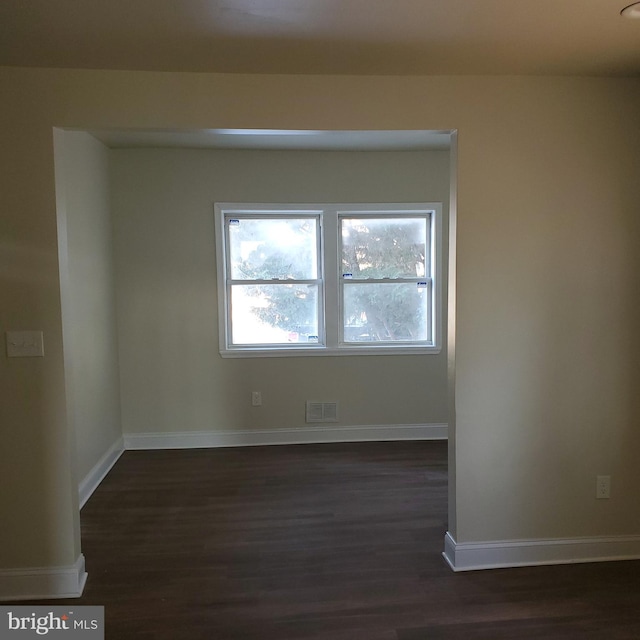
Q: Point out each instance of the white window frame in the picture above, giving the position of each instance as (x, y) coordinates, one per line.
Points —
(330, 338)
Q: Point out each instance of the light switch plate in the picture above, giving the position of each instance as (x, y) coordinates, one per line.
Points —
(25, 344)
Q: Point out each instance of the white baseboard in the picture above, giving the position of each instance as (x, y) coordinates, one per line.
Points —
(300, 435)
(521, 553)
(43, 583)
(91, 481)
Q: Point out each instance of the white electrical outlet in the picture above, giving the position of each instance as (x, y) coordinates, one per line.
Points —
(256, 398)
(603, 487)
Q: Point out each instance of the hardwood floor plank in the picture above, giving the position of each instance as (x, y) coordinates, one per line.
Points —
(318, 542)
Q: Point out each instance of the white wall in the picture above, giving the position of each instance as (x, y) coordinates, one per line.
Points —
(173, 377)
(548, 281)
(89, 313)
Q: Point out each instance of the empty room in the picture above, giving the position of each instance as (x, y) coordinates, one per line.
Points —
(320, 319)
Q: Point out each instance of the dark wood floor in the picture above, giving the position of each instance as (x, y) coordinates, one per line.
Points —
(322, 542)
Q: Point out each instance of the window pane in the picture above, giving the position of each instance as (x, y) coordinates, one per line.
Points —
(274, 314)
(375, 312)
(265, 249)
(384, 247)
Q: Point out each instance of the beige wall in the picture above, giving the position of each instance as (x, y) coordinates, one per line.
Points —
(548, 355)
(88, 294)
(173, 377)
(548, 280)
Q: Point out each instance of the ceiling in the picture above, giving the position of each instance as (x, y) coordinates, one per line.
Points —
(370, 37)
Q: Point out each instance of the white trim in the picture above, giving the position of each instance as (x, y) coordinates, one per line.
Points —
(40, 583)
(91, 481)
(472, 556)
(352, 350)
(451, 302)
(299, 435)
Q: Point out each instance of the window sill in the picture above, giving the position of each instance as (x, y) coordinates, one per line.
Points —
(321, 351)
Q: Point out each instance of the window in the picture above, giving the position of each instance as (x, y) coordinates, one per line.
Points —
(328, 279)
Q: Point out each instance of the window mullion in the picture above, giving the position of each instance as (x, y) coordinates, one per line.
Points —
(330, 258)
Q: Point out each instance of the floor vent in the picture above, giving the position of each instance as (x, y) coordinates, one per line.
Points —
(322, 411)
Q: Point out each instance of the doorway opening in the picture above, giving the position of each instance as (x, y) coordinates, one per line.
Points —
(137, 247)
